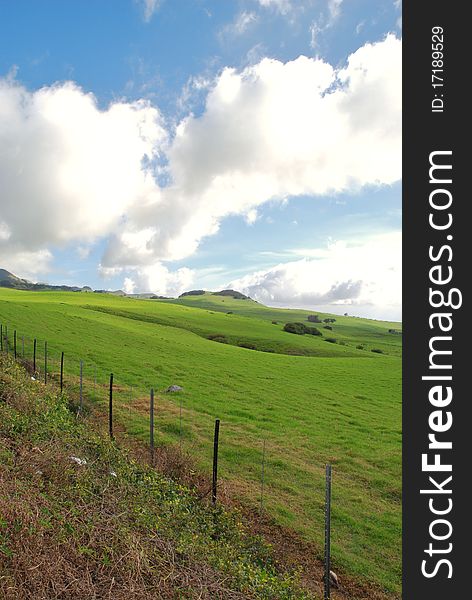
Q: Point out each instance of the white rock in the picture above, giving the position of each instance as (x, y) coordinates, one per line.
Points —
(79, 461)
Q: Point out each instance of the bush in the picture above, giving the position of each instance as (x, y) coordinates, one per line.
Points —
(331, 340)
(314, 319)
(275, 323)
(329, 320)
(360, 347)
(247, 345)
(298, 328)
(377, 350)
(312, 331)
(301, 329)
(217, 337)
(328, 327)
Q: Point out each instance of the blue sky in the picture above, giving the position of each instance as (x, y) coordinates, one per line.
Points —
(168, 191)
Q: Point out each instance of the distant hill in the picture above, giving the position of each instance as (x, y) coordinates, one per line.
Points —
(8, 280)
(231, 293)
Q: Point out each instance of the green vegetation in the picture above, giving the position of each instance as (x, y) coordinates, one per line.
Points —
(311, 401)
(301, 329)
(101, 525)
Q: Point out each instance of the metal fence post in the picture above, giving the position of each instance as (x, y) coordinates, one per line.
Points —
(14, 344)
(1, 337)
(45, 362)
(151, 426)
(262, 475)
(81, 385)
(215, 461)
(62, 370)
(110, 408)
(180, 425)
(327, 553)
(34, 355)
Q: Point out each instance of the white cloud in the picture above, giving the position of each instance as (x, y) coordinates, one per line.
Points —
(282, 6)
(26, 264)
(334, 9)
(72, 173)
(362, 278)
(149, 7)
(158, 279)
(69, 171)
(240, 25)
(325, 21)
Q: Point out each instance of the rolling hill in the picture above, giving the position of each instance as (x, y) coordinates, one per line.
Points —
(312, 401)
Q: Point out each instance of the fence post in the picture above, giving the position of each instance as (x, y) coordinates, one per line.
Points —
(1, 337)
(151, 426)
(45, 362)
(215, 461)
(81, 385)
(110, 408)
(6, 338)
(180, 425)
(262, 475)
(34, 356)
(327, 556)
(14, 344)
(62, 370)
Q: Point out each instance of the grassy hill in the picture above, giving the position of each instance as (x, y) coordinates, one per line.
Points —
(310, 400)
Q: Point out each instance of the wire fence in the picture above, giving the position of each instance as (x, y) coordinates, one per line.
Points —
(91, 385)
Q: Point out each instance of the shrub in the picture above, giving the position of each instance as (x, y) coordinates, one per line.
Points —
(247, 345)
(360, 347)
(312, 331)
(217, 337)
(230, 312)
(275, 323)
(314, 319)
(329, 320)
(328, 327)
(331, 340)
(298, 328)
(377, 350)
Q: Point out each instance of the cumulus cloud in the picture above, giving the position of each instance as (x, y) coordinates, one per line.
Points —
(69, 171)
(272, 131)
(72, 173)
(159, 280)
(346, 276)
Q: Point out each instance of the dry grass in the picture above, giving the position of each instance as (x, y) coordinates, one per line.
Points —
(110, 528)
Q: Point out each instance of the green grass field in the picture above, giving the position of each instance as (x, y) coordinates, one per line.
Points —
(310, 400)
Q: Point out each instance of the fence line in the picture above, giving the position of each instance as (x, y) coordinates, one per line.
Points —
(55, 370)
